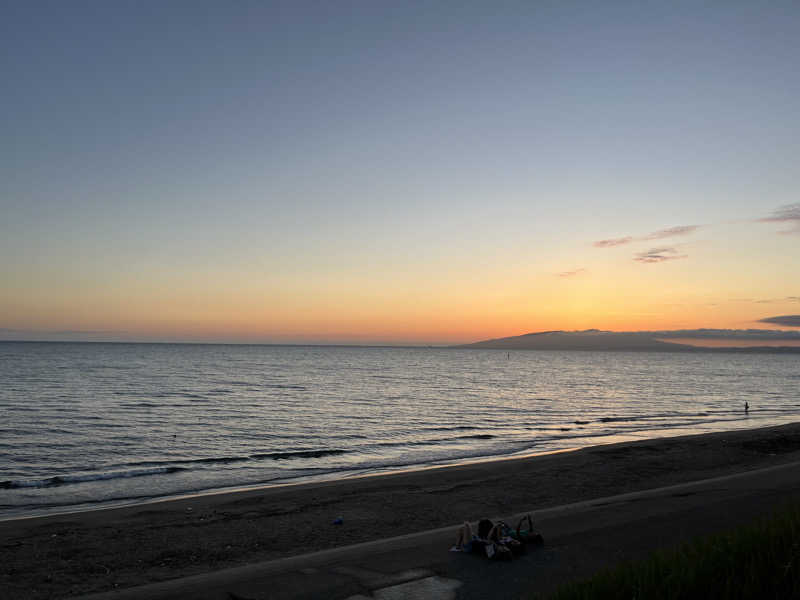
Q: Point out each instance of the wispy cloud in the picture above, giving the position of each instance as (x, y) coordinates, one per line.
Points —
(657, 255)
(613, 242)
(571, 273)
(789, 213)
(786, 320)
(656, 235)
(670, 232)
(775, 300)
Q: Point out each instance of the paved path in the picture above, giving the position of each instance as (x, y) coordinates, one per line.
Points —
(580, 538)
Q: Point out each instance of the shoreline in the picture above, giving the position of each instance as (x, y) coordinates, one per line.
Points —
(305, 481)
(68, 554)
(356, 473)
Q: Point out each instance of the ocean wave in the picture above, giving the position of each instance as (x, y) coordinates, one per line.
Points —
(283, 386)
(178, 394)
(69, 479)
(634, 418)
(432, 441)
(379, 465)
(455, 428)
(233, 382)
(219, 459)
(187, 462)
(297, 454)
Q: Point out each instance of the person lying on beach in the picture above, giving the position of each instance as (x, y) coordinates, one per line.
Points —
(492, 539)
(497, 540)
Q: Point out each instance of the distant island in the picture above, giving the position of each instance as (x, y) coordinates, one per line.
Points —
(684, 340)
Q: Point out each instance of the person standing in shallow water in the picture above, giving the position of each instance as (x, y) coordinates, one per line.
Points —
(746, 407)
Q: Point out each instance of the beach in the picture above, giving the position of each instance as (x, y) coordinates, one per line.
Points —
(65, 555)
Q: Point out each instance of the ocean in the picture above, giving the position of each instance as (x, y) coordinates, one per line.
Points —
(88, 425)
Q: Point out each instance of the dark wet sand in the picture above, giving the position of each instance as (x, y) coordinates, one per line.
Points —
(61, 556)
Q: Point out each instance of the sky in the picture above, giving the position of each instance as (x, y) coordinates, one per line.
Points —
(396, 172)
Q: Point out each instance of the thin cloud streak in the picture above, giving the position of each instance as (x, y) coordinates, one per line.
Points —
(775, 300)
(656, 235)
(572, 273)
(670, 232)
(788, 213)
(657, 255)
(613, 242)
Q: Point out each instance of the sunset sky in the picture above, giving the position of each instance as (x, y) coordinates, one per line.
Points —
(396, 172)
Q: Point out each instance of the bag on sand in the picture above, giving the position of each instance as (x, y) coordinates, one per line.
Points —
(517, 548)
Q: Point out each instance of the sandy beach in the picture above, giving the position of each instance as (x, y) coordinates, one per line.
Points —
(65, 555)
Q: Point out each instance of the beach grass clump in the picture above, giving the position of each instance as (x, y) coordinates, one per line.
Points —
(759, 560)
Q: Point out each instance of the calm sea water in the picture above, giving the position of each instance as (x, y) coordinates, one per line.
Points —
(87, 425)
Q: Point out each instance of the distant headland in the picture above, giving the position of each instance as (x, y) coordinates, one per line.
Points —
(683, 340)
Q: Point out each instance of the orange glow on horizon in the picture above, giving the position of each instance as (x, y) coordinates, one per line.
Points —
(462, 304)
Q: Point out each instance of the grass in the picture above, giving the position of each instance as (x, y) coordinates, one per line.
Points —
(760, 560)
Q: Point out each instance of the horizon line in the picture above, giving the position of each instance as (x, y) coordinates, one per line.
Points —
(753, 331)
